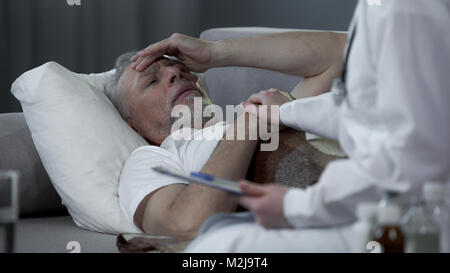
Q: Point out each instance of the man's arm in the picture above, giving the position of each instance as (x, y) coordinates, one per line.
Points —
(316, 85)
(179, 210)
(303, 53)
(316, 56)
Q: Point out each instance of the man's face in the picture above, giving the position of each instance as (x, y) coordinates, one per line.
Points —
(152, 93)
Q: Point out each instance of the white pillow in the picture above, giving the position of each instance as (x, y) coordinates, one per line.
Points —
(82, 142)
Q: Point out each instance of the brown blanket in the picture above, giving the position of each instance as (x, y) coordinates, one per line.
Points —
(296, 163)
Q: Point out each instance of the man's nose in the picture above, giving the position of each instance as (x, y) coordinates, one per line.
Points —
(171, 74)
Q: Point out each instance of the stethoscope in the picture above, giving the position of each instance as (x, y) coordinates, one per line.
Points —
(339, 88)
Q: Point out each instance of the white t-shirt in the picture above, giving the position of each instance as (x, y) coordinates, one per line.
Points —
(184, 150)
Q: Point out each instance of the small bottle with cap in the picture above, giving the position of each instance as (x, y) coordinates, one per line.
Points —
(434, 196)
(363, 229)
(388, 232)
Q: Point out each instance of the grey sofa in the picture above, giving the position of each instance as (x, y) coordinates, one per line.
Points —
(45, 225)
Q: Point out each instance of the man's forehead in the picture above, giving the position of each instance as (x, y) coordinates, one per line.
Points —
(166, 60)
(131, 76)
(156, 64)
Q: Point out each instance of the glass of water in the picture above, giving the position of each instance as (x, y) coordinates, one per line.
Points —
(9, 208)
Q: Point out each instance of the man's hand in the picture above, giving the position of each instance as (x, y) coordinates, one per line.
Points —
(266, 203)
(196, 54)
(270, 98)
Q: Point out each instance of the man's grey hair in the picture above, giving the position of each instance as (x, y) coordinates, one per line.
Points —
(113, 92)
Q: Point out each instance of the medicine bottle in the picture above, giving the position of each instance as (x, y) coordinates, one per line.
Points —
(388, 232)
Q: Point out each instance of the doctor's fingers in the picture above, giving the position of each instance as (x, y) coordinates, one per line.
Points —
(261, 208)
(270, 96)
(254, 195)
(256, 98)
(256, 204)
(252, 188)
(262, 96)
(264, 212)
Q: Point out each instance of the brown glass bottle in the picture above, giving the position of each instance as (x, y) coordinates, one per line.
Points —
(388, 232)
(391, 239)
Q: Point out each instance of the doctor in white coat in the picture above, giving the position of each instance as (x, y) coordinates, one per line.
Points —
(389, 110)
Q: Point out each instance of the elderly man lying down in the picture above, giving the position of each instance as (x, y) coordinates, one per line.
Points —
(162, 205)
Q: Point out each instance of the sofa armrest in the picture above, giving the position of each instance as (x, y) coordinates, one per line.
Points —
(17, 152)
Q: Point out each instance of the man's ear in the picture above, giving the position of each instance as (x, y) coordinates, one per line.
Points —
(136, 128)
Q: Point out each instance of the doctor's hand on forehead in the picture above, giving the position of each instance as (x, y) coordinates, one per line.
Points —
(197, 55)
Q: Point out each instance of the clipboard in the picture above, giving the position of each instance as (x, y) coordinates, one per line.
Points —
(203, 179)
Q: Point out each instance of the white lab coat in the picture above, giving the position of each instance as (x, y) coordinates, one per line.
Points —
(394, 125)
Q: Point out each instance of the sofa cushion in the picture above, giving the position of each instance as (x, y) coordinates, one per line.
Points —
(17, 152)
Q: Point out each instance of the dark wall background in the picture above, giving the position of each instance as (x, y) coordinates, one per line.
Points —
(87, 38)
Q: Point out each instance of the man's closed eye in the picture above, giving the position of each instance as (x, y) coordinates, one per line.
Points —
(151, 82)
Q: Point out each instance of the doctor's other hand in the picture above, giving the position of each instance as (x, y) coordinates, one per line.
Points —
(269, 98)
(196, 54)
(266, 203)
